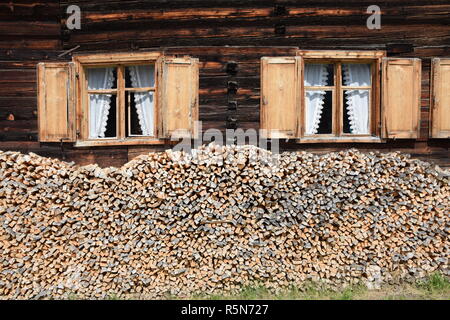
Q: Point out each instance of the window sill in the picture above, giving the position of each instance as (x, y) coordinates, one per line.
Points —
(127, 142)
(340, 140)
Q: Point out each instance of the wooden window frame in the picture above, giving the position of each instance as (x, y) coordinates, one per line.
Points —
(337, 58)
(120, 61)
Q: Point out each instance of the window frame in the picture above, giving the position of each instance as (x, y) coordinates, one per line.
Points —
(337, 58)
(120, 61)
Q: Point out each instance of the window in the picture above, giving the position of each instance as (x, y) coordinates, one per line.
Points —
(118, 99)
(336, 96)
(121, 92)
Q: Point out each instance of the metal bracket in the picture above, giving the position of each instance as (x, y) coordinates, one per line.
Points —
(68, 51)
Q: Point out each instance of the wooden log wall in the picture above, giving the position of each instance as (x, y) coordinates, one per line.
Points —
(229, 37)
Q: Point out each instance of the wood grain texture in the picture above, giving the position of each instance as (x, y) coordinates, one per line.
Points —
(56, 104)
(280, 101)
(440, 119)
(401, 97)
(179, 105)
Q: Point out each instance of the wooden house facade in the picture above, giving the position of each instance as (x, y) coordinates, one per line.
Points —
(229, 64)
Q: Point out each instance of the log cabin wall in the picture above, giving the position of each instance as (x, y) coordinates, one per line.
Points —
(229, 37)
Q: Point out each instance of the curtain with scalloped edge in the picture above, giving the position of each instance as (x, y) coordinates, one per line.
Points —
(99, 104)
(315, 75)
(357, 101)
(143, 76)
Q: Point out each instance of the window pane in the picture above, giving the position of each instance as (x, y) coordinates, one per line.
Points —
(319, 74)
(102, 116)
(319, 112)
(102, 78)
(140, 76)
(356, 111)
(140, 113)
(356, 75)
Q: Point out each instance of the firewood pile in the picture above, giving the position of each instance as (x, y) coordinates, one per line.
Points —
(216, 220)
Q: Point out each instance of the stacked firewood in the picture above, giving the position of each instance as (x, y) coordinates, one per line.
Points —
(216, 220)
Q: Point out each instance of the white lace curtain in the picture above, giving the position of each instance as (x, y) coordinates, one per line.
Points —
(143, 76)
(315, 75)
(357, 101)
(99, 104)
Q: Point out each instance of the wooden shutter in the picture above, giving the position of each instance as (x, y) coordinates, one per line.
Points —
(401, 98)
(56, 103)
(280, 97)
(179, 97)
(440, 103)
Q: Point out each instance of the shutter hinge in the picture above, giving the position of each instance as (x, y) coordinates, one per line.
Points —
(434, 101)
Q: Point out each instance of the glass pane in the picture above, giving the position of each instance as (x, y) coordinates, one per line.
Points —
(140, 113)
(140, 76)
(319, 74)
(356, 111)
(319, 112)
(102, 78)
(102, 116)
(356, 75)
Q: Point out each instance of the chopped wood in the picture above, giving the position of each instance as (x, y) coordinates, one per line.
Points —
(216, 220)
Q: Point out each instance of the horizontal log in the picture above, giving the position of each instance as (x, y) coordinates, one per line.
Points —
(18, 125)
(30, 28)
(20, 75)
(14, 89)
(21, 43)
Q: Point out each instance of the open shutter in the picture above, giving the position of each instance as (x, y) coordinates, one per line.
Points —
(280, 97)
(440, 103)
(401, 98)
(179, 97)
(56, 103)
